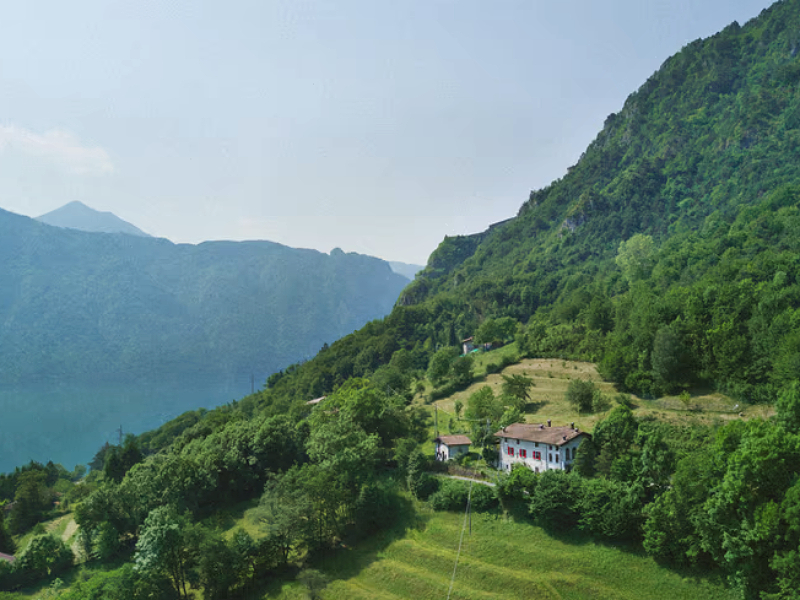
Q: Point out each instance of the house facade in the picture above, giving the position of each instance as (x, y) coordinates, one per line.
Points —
(540, 447)
(451, 446)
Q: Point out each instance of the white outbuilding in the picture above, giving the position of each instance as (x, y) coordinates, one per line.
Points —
(451, 446)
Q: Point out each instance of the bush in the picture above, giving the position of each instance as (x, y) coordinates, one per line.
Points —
(518, 485)
(553, 503)
(45, 556)
(453, 495)
(580, 395)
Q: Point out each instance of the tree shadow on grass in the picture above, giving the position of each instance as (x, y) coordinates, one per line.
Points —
(352, 555)
(356, 553)
(707, 572)
(534, 407)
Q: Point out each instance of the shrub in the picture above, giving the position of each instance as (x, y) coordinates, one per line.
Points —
(580, 395)
(453, 495)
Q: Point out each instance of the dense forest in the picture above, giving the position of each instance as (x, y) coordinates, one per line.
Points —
(78, 306)
(668, 255)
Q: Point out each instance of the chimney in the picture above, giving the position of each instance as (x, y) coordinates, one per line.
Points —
(564, 438)
(549, 423)
(541, 426)
(572, 425)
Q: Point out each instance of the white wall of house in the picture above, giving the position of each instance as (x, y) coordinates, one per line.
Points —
(445, 452)
(550, 456)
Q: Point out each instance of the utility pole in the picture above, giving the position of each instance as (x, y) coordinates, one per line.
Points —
(436, 420)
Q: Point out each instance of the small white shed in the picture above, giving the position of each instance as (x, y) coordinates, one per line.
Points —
(451, 446)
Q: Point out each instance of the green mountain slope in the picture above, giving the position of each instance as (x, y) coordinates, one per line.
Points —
(670, 254)
(92, 306)
(702, 162)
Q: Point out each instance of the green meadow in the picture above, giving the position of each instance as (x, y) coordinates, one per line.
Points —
(502, 558)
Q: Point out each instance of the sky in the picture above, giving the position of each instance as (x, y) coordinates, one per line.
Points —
(376, 126)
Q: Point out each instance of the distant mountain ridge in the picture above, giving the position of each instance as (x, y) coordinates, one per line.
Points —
(405, 269)
(118, 307)
(76, 215)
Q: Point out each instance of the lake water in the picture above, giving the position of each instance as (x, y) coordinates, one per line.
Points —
(69, 423)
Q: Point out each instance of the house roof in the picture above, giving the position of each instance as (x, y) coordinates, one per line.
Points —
(454, 440)
(535, 432)
(7, 557)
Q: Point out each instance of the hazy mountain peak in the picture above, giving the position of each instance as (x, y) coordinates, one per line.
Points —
(405, 269)
(76, 215)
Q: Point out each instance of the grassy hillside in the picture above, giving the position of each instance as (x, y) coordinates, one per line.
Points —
(501, 559)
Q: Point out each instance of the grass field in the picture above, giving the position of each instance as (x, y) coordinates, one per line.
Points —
(501, 559)
(551, 377)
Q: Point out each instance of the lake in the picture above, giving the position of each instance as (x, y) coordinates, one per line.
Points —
(68, 423)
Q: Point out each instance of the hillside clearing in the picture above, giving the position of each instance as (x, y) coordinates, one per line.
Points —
(551, 378)
(501, 559)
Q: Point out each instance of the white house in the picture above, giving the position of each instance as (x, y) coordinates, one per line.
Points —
(539, 447)
(451, 446)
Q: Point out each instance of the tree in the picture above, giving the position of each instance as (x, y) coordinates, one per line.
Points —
(788, 407)
(458, 406)
(167, 545)
(553, 501)
(510, 416)
(6, 541)
(440, 365)
(580, 395)
(31, 500)
(517, 486)
(462, 371)
(518, 387)
(584, 463)
(618, 429)
(419, 482)
(45, 556)
(609, 508)
(314, 582)
(496, 330)
(667, 359)
(635, 257)
(286, 512)
(220, 567)
(483, 407)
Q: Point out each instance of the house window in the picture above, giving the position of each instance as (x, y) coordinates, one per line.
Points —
(550, 457)
(517, 442)
(535, 444)
(523, 453)
(510, 451)
(537, 455)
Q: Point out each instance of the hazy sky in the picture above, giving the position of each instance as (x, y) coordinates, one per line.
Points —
(376, 126)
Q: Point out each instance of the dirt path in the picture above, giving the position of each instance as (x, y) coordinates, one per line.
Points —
(70, 530)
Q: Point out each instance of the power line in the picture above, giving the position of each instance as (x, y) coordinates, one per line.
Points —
(463, 529)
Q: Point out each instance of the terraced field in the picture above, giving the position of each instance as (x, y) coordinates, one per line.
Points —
(501, 559)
